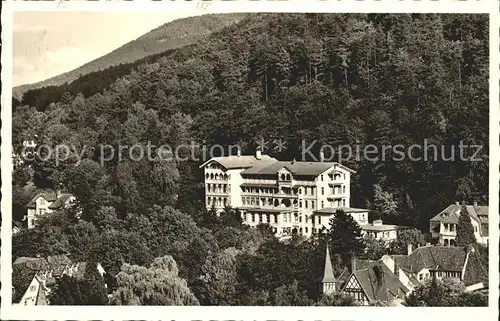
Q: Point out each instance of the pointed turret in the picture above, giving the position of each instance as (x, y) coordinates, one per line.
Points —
(329, 285)
(328, 272)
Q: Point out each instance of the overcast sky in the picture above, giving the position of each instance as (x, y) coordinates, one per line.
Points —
(46, 44)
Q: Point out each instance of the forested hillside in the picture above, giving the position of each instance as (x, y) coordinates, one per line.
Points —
(175, 34)
(341, 79)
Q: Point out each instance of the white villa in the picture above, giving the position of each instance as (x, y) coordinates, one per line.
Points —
(443, 226)
(47, 202)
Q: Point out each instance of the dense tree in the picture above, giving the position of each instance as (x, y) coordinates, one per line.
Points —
(375, 248)
(383, 206)
(345, 235)
(437, 293)
(335, 300)
(465, 230)
(159, 284)
(217, 282)
(86, 289)
(405, 237)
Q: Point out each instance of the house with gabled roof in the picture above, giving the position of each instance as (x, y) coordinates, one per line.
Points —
(366, 281)
(32, 278)
(45, 202)
(432, 261)
(443, 226)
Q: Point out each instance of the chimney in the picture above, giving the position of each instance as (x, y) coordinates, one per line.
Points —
(410, 248)
(457, 203)
(353, 263)
(475, 203)
(428, 244)
(58, 190)
(321, 155)
(258, 154)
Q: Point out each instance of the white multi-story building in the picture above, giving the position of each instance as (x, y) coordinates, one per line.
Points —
(292, 197)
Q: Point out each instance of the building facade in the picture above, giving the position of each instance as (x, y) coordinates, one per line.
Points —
(292, 197)
(380, 231)
(443, 227)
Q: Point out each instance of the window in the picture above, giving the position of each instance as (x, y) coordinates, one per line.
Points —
(343, 189)
(343, 202)
(33, 288)
(253, 218)
(321, 177)
(475, 229)
(307, 230)
(300, 204)
(319, 219)
(322, 204)
(312, 204)
(300, 190)
(42, 201)
(322, 191)
(306, 204)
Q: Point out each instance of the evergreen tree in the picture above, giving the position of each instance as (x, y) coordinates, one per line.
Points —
(345, 235)
(465, 230)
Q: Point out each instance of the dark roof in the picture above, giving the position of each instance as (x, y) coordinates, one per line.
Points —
(378, 282)
(60, 201)
(333, 210)
(48, 195)
(383, 227)
(448, 215)
(21, 279)
(41, 298)
(34, 263)
(360, 265)
(474, 271)
(451, 213)
(444, 258)
(16, 224)
(24, 270)
(230, 162)
(296, 168)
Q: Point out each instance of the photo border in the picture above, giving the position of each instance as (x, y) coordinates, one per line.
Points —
(9, 311)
